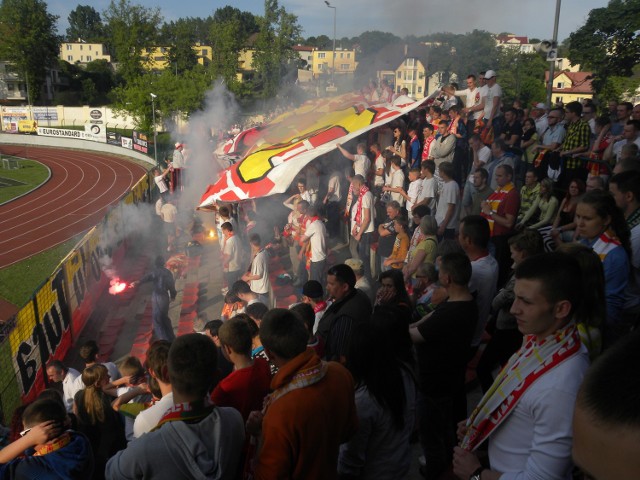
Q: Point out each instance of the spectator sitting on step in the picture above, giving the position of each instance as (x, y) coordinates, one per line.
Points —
(90, 353)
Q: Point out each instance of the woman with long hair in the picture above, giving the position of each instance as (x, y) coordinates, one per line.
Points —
(96, 419)
(393, 293)
(564, 223)
(529, 141)
(380, 361)
(545, 203)
(601, 225)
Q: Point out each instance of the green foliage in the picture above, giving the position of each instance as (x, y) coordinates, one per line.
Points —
(30, 175)
(279, 32)
(130, 28)
(615, 88)
(247, 21)
(182, 94)
(29, 40)
(521, 76)
(182, 56)
(89, 85)
(200, 29)
(371, 42)
(609, 42)
(321, 42)
(85, 23)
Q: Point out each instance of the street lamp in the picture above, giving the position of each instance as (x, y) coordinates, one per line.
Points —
(552, 63)
(333, 67)
(155, 131)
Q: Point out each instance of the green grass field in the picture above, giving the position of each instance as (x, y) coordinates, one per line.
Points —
(19, 281)
(27, 177)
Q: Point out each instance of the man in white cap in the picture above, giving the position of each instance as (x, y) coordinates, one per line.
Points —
(539, 114)
(178, 164)
(492, 113)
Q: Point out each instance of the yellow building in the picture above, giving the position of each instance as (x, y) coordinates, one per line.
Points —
(411, 74)
(81, 52)
(323, 64)
(157, 58)
(245, 64)
(570, 86)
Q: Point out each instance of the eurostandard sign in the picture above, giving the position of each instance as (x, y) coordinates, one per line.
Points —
(93, 133)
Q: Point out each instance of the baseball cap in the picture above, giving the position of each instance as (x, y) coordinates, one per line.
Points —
(541, 106)
(312, 289)
(489, 74)
(178, 144)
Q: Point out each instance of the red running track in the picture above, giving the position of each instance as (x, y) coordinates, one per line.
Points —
(82, 187)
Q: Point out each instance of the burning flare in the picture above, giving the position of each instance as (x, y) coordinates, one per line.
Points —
(117, 286)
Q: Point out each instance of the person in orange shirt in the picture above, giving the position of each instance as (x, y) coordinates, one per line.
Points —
(400, 246)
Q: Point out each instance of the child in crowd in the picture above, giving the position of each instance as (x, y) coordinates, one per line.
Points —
(413, 192)
(305, 312)
(400, 246)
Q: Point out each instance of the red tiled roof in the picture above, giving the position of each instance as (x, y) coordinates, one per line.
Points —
(580, 82)
(507, 38)
(302, 48)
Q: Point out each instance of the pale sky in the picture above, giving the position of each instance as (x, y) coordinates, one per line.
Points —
(533, 18)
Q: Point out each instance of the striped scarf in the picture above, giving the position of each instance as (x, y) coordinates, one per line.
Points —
(527, 365)
(495, 199)
(605, 244)
(358, 217)
(427, 147)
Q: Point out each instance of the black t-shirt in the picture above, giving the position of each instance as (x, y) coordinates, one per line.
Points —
(442, 357)
(385, 244)
(515, 129)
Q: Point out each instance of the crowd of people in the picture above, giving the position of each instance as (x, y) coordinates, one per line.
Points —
(472, 239)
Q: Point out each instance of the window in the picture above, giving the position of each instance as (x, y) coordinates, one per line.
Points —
(88, 58)
(80, 47)
(205, 52)
(69, 47)
(348, 55)
(344, 66)
(558, 99)
(410, 62)
(163, 50)
(321, 66)
(159, 58)
(322, 55)
(399, 75)
(82, 58)
(560, 85)
(70, 58)
(409, 76)
(419, 89)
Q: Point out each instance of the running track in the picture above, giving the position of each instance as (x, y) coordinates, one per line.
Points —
(82, 187)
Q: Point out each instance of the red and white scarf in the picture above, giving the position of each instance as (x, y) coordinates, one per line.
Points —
(358, 216)
(427, 147)
(527, 365)
(495, 199)
(605, 244)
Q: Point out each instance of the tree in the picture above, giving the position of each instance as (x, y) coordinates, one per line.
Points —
(609, 42)
(521, 76)
(371, 42)
(28, 40)
(279, 32)
(86, 24)
(181, 56)
(321, 42)
(130, 28)
(247, 21)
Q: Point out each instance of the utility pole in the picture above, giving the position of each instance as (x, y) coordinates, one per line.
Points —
(155, 130)
(333, 63)
(554, 45)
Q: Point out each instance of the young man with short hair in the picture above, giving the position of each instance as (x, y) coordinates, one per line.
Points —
(313, 294)
(448, 208)
(70, 378)
(310, 398)
(362, 220)
(527, 413)
(258, 275)
(193, 439)
(225, 367)
(361, 163)
(231, 255)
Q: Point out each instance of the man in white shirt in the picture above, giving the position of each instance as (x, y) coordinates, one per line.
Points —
(362, 220)
(528, 413)
(492, 114)
(630, 134)
(539, 114)
(473, 98)
(258, 276)
(159, 180)
(178, 165)
(148, 419)
(378, 169)
(481, 155)
(169, 212)
(396, 182)
(231, 255)
(70, 378)
(305, 194)
(448, 208)
(427, 195)
(361, 163)
(315, 235)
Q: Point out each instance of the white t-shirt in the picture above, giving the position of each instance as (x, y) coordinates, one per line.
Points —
(413, 192)
(169, 213)
(162, 185)
(397, 180)
(361, 165)
(617, 147)
(472, 98)
(334, 186)
(367, 203)
(232, 248)
(450, 195)
(492, 92)
(71, 384)
(317, 233)
(379, 179)
(260, 266)
(483, 284)
(309, 196)
(148, 419)
(428, 191)
(484, 155)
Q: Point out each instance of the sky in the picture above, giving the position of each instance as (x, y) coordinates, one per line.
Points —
(533, 18)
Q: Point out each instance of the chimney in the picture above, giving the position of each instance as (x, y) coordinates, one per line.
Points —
(406, 49)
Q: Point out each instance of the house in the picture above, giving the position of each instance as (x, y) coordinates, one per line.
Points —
(157, 58)
(570, 86)
(323, 63)
(403, 66)
(515, 42)
(306, 56)
(13, 90)
(82, 52)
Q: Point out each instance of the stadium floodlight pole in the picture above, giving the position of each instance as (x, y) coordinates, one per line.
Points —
(155, 130)
(333, 66)
(552, 64)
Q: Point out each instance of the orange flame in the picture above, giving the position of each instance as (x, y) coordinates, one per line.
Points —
(117, 286)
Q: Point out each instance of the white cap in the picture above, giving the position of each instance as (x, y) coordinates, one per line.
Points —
(489, 74)
(541, 106)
